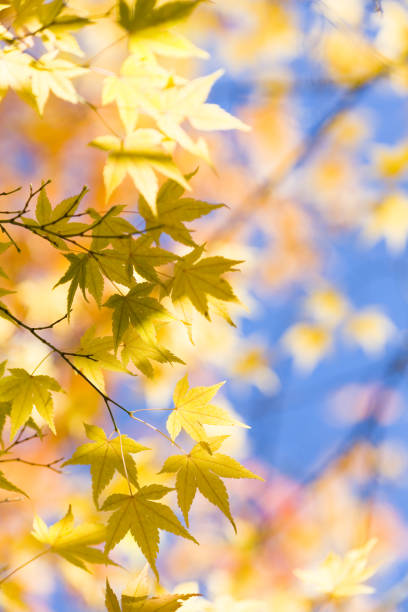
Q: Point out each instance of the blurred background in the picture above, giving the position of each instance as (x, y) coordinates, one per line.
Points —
(317, 364)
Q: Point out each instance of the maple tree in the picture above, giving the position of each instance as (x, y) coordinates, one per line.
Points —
(116, 297)
(128, 271)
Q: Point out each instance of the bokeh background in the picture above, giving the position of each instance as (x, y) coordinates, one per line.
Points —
(317, 365)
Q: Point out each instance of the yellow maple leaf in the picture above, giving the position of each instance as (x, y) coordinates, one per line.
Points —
(307, 343)
(391, 161)
(326, 306)
(350, 58)
(192, 410)
(52, 74)
(74, 544)
(202, 469)
(342, 577)
(138, 78)
(15, 72)
(188, 103)
(370, 328)
(139, 155)
(388, 220)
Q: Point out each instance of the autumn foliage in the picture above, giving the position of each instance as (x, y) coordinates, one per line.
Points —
(140, 248)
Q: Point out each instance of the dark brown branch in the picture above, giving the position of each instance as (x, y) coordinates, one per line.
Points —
(51, 325)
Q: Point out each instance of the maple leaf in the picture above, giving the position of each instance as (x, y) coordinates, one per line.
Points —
(197, 278)
(137, 75)
(15, 72)
(370, 328)
(25, 11)
(55, 32)
(141, 353)
(172, 212)
(5, 410)
(143, 517)
(25, 392)
(192, 410)
(111, 601)
(150, 28)
(327, 305)
(74, 544)
(144, 14)
(307, 343)
(388, 220)
(139, 155)
(52, 74)
(97, 356)
(342, 577)
(105, 456)
(60, 216)
(110, 224)
(201, 470)
(165, 603)
(114, 265)
(187, 103)
(9, 486)
(84, 273)
(87, 270)
(138, 310)
(56, 223)
(141, 256)
(3, 247)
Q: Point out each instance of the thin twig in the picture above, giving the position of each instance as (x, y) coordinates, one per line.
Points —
(108, 400)
(49, 465)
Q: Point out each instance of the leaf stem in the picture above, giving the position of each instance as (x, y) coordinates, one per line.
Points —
(42, 361)
(20, 567)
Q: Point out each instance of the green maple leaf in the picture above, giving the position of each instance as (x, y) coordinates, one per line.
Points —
(111, 601)
(74, 544)
(165, 603)
(137, 310)
(201, 470)
(98, 356)
(141, 353)
(49, 12)
(85, 274)
(25, 392)
(56, 223)
(144, 14)
(143, 517)
(87, 270)
(172, 212)
(141, 256)
(110, 224)
(105, 456)
(192, 410)
(114, 265)
(196, 279)
(5, 409)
